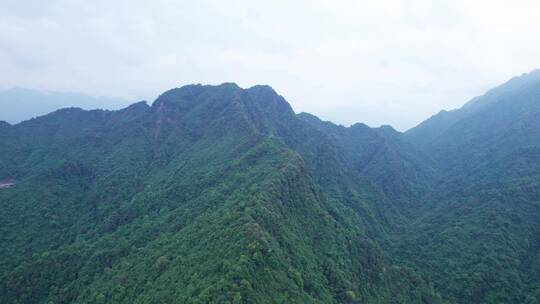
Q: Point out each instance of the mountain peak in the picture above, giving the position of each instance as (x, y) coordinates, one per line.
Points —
(262, 88)
(359, 126)
(139, 104)
(221, 95)
(388, 130)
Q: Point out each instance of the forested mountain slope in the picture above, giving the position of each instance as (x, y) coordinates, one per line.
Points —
(218, 194)
(211, 195)
(509, 108)
(384, 157)
(478, 229)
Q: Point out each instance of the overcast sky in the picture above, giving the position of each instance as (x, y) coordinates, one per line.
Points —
(372, 61)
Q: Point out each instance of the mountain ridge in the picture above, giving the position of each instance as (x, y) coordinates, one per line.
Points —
(197, 163)
(438, 123)
(218, 194)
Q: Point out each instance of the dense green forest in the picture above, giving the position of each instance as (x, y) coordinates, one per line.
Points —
(218, 194)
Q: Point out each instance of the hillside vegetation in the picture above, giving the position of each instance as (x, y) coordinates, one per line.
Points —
(218, 194)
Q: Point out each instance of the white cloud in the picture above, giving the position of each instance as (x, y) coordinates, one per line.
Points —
(388, 61)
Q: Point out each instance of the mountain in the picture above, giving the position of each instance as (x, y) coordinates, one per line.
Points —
(478, 228)
(384, 157)
(511, 102)
(218, 194)
(212, 194)
(20, 104)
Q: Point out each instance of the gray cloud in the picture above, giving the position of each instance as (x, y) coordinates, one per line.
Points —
(379, 62)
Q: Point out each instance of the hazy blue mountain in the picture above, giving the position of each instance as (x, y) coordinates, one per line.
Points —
(20, 104)
(518, 93)
(498, 132)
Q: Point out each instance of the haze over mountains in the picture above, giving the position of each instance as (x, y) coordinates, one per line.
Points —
(218, 194)
(20, 104)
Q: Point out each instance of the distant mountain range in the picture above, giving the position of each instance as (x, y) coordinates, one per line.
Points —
(20, 104)
(218, 194)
